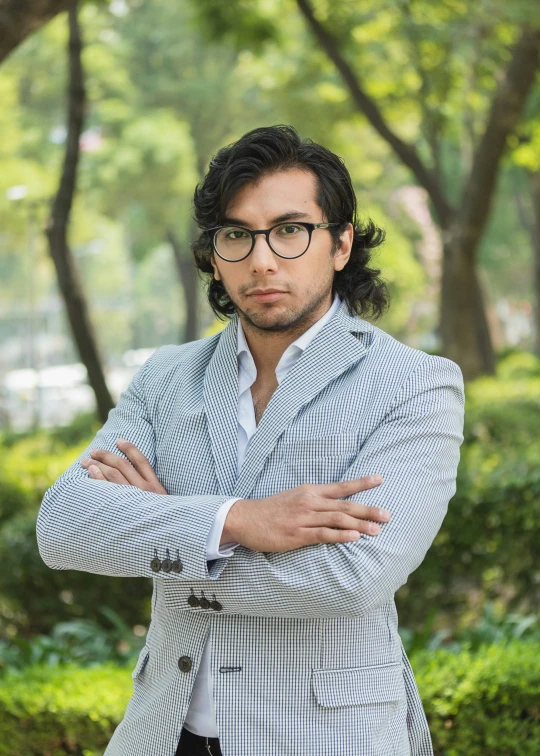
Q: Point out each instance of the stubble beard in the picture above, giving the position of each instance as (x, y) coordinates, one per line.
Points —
(285, 320)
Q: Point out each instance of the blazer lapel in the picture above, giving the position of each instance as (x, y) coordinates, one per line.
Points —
(220, 397)
(343, 341)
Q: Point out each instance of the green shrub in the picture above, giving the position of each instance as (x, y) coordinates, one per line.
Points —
(51, 711)
(482, 704)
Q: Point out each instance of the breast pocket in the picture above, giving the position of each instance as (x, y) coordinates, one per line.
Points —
(323, 459)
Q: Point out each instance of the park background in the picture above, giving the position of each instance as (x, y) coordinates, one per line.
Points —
(110, 114)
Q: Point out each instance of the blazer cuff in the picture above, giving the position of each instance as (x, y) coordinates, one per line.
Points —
(213, 548)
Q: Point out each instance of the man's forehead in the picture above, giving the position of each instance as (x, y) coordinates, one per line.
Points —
(274, 198)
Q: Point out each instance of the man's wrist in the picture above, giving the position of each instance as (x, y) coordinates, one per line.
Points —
(231, 532)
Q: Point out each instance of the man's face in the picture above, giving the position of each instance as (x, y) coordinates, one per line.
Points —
(306, 281)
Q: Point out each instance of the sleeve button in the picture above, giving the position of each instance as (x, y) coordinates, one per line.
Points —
(203, 601)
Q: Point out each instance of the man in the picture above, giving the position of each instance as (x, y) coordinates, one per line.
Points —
(279, 481)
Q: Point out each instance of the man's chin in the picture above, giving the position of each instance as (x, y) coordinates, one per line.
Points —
(270, 317)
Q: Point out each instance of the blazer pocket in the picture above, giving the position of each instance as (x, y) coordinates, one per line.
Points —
(352, 686)
(142, 661)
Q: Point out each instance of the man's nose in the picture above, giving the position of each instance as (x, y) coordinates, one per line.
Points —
(262, 255)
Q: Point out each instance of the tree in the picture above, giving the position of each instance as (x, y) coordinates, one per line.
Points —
(56, 230)
(462, 216)
(19, 18)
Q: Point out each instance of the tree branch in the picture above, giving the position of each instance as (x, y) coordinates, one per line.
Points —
(20, 18)
(406, 152)
(503, 118)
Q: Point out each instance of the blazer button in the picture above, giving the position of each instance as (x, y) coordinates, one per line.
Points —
(184, 662)
(177, 566)
(166, 565)
(203, 601)
(155, 564)
(193, 600)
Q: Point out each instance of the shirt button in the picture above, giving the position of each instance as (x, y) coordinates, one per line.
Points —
(184, 663)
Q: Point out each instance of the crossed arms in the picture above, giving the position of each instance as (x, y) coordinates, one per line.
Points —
(99, 526)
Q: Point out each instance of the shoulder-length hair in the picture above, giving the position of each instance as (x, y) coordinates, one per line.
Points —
(266, 150)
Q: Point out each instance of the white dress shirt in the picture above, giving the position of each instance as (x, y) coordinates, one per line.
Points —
(201, 716)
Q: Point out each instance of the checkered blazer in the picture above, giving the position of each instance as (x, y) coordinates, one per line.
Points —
(306, 655)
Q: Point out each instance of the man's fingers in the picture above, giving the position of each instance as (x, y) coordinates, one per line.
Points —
(100, 471)
(128, 473)
(347, 487)
(95, 472)
(329, 535)
(137, 458)
(328, 498)
(342, 521)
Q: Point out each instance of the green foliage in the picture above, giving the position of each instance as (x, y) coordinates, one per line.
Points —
(483, 703)
(83, 642)
(60, 711)
(495, 626)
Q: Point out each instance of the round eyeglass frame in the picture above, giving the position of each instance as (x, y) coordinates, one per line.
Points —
(310, 227)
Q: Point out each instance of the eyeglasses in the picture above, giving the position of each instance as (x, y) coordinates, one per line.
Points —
(287, 240)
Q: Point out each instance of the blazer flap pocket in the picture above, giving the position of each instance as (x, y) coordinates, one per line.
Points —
(358, 685)
(141, 662)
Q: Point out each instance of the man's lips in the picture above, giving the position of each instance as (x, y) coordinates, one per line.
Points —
(267, 296)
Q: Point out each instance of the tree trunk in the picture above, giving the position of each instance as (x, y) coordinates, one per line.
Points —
(20, 18)
(464, 326)
(534, 179)
(189, 278)
(56, 230)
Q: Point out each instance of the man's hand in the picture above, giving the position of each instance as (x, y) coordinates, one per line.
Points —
(105, 465)
(301, 516)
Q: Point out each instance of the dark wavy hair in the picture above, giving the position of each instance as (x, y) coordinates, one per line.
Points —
(264, 151)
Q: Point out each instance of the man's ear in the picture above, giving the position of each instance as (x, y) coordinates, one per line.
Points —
(216, 271)
(343, 252)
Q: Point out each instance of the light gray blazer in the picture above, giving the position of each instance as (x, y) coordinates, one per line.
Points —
(306, 655)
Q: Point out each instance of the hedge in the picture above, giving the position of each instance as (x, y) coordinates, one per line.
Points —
(485, 703)
(55, 711)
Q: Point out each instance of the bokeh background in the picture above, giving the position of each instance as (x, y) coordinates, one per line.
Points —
(110, 113)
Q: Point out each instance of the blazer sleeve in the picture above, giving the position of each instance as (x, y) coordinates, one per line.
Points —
(416, 448)
(111, 529)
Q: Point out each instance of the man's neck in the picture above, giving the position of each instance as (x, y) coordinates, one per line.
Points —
(267, 347)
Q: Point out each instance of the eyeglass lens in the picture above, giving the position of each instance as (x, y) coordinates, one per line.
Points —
(288, 240)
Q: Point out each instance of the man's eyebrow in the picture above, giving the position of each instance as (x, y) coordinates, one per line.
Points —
(289, 215)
